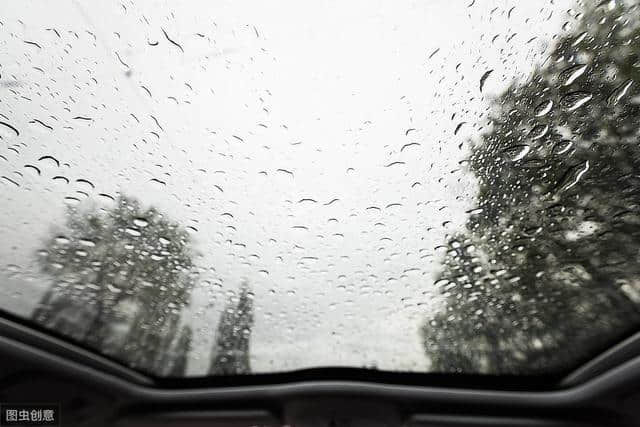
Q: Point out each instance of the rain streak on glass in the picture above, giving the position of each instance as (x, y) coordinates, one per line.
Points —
(212, 188)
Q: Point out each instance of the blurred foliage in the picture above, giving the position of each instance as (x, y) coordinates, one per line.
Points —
(121, 277)
(231, 348)
(546, 272)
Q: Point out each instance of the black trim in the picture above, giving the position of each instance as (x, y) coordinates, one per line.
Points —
(485, 421)
(616, 355)
(200, 418)
(604, 400)
(476, 382)
(45, 340)
(613, 383)
(26, 331)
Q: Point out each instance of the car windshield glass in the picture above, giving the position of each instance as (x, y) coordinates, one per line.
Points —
(233, 187)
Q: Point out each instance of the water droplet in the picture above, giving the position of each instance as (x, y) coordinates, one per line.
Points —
(572, 176)
(580, 38)
(569, 75)
(132, 232)
(171, 41)
(8, 130)
(517, 152)
(140, 222)
(33, 168)
(619, 93)
(285, 171)
(532, 231)
(411, 144)
(9, 180)
(309, 200)
(458, 127)
(62, 240)
(86, 242)
(575, 100)
(71, 201)
(543, 108)
(113, 289)
(40, 125)
(60, 178)
(538, 131)
(475, 211)
(484, 78)
(34, 44)
(562, 147)
(394, 164)
(85, 183)
(49, 160)
(534, 163)
(105, 198)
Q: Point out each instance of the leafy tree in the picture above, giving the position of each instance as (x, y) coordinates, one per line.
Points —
(121, 277)
(178, 361)
(231, 348)
(546, 271)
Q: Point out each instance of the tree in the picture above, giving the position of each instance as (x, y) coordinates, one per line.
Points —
(121, 277)
(178, 360)
(546, 272)
(231, 349)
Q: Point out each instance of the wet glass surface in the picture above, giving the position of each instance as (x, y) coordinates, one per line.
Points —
(224, 187)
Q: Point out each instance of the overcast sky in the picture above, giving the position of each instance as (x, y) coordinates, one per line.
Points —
(267, 111)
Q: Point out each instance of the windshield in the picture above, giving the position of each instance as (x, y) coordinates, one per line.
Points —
(234, 187)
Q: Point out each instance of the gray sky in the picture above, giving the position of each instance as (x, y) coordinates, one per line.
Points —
(326, 90)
